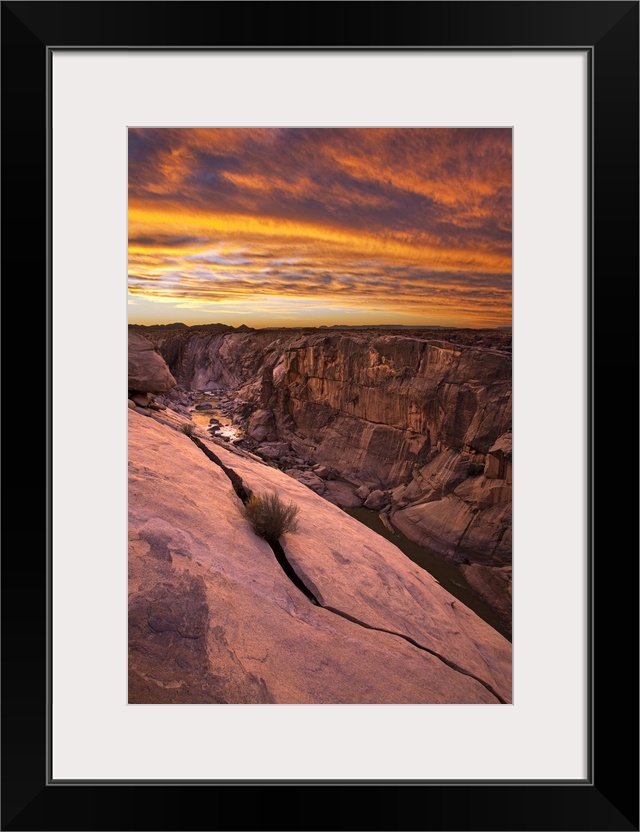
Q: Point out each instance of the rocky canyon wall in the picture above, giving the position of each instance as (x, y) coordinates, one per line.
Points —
(377, 408)
(419, 425)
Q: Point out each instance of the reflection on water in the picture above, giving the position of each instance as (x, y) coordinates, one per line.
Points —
(447, 575)
(226, 429)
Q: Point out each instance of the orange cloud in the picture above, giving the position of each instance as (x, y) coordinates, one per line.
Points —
(408, 219)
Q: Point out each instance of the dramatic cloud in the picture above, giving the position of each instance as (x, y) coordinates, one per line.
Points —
(312, 226)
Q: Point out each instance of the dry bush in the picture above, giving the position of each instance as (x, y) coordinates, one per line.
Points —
(270, 517)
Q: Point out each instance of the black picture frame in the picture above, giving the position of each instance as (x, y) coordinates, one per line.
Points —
(608, 798)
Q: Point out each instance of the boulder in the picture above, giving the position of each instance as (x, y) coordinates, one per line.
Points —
(148, 371)
(142, 399)
(376, 500)
(311, 480)
(261, 426)
(322, 471)
(342, 494)
(274, 450)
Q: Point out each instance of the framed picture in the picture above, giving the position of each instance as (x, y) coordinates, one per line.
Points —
(568, 74)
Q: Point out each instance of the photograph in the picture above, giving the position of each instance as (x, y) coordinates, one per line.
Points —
(319, 423)
(348, 254)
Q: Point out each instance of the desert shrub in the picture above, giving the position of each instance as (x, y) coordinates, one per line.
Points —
(188, 429)
(270, 517)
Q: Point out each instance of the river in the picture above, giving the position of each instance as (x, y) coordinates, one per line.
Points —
(226, 428)
(447, 575)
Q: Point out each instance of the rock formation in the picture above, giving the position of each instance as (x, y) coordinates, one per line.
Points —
(417, 426)
(214, 618)
(148, 371)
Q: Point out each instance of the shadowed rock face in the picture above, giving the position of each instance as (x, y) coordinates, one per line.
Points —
(214, 618)
(148, 371)
(375, 408)
(169, 642)
(426, 422)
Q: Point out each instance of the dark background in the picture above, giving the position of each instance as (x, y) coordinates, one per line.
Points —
(609, 799)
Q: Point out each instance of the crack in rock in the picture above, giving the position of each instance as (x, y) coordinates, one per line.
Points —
(245, 494)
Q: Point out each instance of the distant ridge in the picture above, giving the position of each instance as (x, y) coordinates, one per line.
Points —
(244, 328)
(205, 327)
(159, 326)
(387, 326)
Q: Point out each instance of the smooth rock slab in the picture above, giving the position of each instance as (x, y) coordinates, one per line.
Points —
(351, 568)
(214, 619)
(493, 585)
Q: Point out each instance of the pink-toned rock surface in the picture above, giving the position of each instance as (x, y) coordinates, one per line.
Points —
(213, 618)
(350, 568)
(493, 585)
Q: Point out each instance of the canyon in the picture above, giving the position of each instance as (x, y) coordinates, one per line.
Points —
(412, 424)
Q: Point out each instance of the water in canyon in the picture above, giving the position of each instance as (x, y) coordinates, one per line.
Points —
(226, 429)
(447, 575)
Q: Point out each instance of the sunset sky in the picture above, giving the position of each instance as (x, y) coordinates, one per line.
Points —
(305, 227)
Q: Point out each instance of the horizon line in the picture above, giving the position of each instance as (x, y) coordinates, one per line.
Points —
(244, 326)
